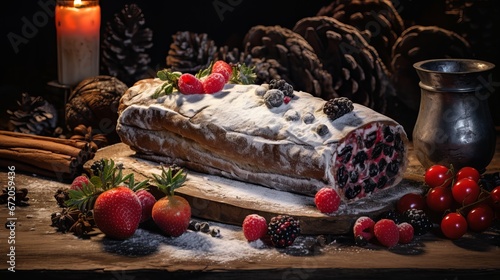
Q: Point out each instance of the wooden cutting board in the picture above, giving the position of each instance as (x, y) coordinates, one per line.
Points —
(230, 201)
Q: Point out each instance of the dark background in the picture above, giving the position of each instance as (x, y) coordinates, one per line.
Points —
(35, 64)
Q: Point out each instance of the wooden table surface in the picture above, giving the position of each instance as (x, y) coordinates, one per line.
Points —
(43, 253)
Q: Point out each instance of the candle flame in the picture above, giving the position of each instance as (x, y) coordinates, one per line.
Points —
(77, 3)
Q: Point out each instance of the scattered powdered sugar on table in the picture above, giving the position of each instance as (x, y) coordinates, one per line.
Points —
(198, 246)
(193, 245)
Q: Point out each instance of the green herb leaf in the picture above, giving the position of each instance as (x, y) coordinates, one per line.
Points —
(170, 84)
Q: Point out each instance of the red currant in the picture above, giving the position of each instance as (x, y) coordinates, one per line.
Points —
(438, 176)
(439, 199)
(453, 225)
(495, 195)
(410, 201)
(480, 218)
(468, 172)
(465, 191)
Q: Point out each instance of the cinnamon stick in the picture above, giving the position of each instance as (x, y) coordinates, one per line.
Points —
(8, 142)
(47, 156)
(40, 158)
(70, 142)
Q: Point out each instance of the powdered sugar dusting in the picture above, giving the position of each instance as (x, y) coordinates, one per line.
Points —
(193, 246)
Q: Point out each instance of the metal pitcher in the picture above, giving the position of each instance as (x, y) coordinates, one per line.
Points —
(454, 124)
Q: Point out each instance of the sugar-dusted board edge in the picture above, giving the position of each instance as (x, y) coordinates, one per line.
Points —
(229, 201)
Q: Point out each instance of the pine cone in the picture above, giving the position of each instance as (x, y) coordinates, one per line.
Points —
(94, 103)
(233, 56)
(34, 116)
(477, 22)
(377, 20)
(190, 52)
(279, 53)
(356, 70)
(419, 43)
(84, 133)
(125, 45)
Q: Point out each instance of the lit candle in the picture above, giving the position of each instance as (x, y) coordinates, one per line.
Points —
(78, 24)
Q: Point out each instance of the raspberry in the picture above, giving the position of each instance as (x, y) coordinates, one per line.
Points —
(222, 67)
(327, 200)
(213, 83)
(287, 99)
(78, 182)
(254, 227)
(387, 233)
(147, 203)
(189, 84)
(405, 233)
(364, 227)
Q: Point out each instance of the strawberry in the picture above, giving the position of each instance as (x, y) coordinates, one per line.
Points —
(117, 209)
(147, 201)
(189, 84)
(171, 213)
(117, 212)
(213, 83)
(222, 67)
(79, 182)
(254, 227)
(327, 200)
(387, 233)
(406, 233)
(364, 227)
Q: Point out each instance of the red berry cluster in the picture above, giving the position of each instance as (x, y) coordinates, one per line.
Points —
(456, 200)
(219, 75)
(384, 231)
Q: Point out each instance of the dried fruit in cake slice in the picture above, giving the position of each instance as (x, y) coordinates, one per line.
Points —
(171, 213)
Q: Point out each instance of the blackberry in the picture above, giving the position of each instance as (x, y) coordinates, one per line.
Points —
(337, 107)
(97, 167)
(391, 215)
(283, 230)
(273, 98)
(419, 220)
(282, 85)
